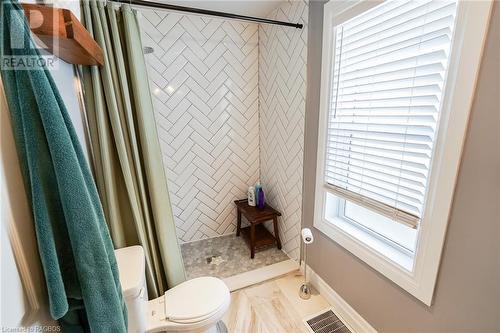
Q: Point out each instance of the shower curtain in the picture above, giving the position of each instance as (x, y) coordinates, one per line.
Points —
(126, 153)
(74, 245)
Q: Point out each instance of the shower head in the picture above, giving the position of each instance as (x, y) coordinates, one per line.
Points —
(147, 50)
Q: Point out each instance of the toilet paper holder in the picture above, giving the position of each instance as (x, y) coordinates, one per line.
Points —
(307, 238)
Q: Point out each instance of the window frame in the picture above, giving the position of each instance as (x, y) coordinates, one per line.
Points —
(472, 21)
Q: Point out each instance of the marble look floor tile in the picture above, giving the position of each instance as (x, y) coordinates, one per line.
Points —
(289, 286)
(272, 307)
(225, 256)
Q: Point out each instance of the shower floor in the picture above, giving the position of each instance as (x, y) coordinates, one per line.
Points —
(225, 256)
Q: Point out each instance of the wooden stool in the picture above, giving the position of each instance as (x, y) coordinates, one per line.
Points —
(256, 235)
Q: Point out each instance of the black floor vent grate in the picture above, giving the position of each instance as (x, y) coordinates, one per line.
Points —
(327, 322)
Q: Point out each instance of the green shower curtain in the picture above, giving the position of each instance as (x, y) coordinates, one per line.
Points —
(125, 147)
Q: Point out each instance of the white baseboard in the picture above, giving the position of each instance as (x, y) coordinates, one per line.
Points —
(259, 275)
(340, 307)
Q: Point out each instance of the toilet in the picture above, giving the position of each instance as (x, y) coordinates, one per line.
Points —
(194, 306)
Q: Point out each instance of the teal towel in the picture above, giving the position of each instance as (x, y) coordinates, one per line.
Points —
(73, 240)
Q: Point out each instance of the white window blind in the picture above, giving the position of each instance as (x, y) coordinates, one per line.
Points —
(389, 70)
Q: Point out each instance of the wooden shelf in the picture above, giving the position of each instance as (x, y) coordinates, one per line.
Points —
(59, 31)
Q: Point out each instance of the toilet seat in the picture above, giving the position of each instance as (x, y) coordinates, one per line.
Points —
(195, 300)
(192, 306)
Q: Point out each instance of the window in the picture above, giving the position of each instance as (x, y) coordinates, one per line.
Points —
(388, 77)
(389, 72)
(388, 146)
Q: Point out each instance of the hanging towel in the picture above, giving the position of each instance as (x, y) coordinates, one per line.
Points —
(73, 240)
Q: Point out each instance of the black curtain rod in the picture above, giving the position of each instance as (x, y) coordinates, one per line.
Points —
(151, 4)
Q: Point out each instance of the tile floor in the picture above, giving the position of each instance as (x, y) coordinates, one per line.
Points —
(225, 256)
(273, 306)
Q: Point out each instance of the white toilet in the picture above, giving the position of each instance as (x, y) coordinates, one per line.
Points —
(194, 306)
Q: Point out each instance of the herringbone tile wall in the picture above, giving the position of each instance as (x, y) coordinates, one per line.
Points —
(204, 81)
(282, 93)
(211, 81)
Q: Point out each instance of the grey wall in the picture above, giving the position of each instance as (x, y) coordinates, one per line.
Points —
(467, 296)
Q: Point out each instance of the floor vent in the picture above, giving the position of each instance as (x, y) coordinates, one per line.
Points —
(327, 322)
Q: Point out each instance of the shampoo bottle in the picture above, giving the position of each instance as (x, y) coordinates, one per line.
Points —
(258, 188)
(251, 196)
(260, 196)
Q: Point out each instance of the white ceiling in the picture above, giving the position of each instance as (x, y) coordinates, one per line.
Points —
(258, 8)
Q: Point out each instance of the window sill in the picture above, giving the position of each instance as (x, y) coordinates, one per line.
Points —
(364, 238)
(396, 265)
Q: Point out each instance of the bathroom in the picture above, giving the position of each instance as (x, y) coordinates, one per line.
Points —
(250, 166)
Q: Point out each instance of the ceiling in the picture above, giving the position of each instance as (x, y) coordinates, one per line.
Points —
(258, 8)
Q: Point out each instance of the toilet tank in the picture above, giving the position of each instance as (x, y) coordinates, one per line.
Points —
(131, 267)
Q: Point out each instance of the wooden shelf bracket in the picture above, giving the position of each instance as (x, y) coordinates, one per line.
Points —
(59, 31)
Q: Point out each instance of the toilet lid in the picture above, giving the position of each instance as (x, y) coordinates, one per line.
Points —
(195, 300)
